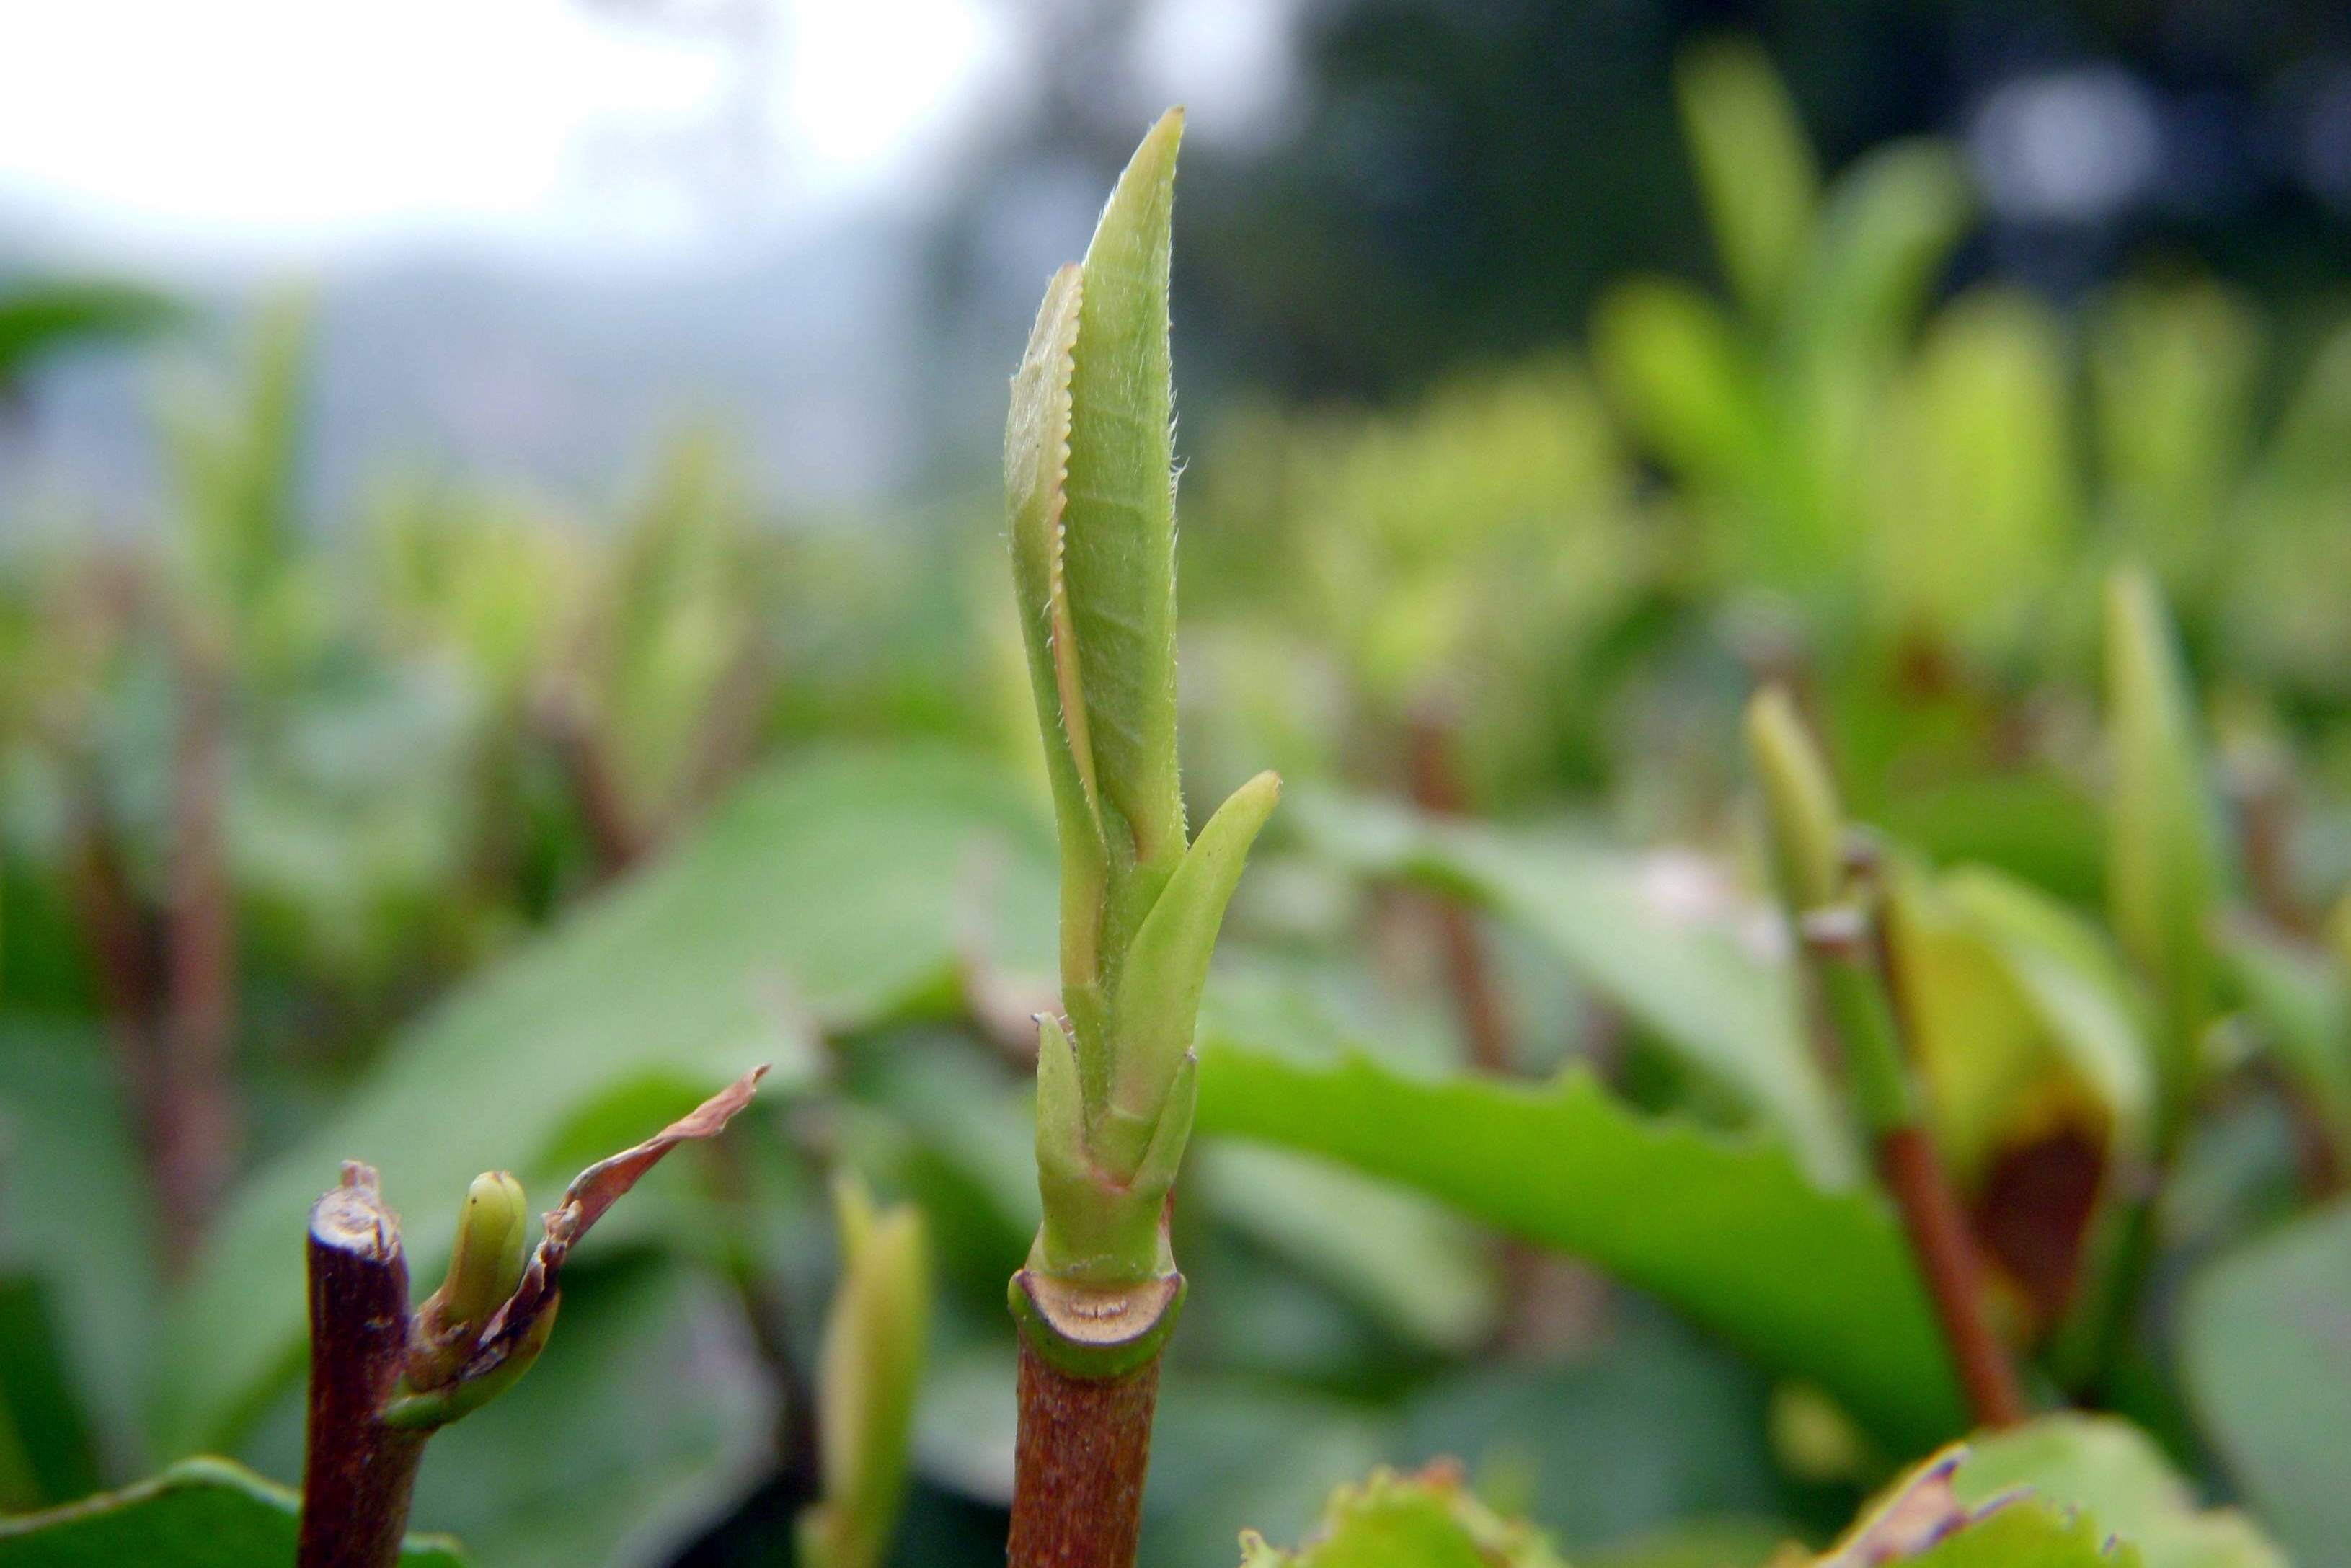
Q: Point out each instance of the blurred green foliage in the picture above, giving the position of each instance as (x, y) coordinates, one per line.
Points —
(497, 823)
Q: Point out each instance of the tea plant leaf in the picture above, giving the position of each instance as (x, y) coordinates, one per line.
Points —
(1755, 167)
(1676, 367)
(2113, 1473)
(200, 1513)
(1424, 1520)
(2265, 1350)
(1119, 527)
(2298, 1007)
(2024, 1535)
(840, 888)
(2162, 857)
(1687, 979)
(646, 1417)
(1809, 1283)
(75, 1220)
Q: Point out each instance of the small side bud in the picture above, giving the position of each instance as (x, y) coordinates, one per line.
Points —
(870, 1366)
(484, 1269)
(1808, 841)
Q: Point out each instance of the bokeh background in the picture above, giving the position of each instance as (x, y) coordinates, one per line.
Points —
(500, 540)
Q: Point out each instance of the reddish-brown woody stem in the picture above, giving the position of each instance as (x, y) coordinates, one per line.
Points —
(357, 1473)
(1084, 1446)
(1907, 1163)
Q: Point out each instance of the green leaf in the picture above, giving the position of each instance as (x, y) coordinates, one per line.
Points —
(2265, 1350)
(1650, 1426)
(2175, 376)
(1392, 1520)
(200, 1513)
(842, 888)
(2066, 976)
(2301, 1012)
(1119, 525)
(1688, 978)
(45, 1454)
(1979, 502)
(1415, 1266)
(647, 1418)
(2024, 1534)
(1158, 1004)
(75, 1219)
(2113, 1473)
(1811, 1284)
(42, 317)
(1924, 1520)
(1036, 487)
(1882, 243)
(1678, 371)
(2162, 880)
(1755, 167)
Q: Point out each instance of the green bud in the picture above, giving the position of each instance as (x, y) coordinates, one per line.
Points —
(867, 1375)
(429, 1409)
(2161, 853)
(1801, 802)
(493, 1231)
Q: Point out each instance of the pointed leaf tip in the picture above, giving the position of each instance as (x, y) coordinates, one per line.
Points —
(1119, 526)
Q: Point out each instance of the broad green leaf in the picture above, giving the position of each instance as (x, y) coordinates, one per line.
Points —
(1414, 1265)
(1228, 1451)
(2024, 1535)
(200, 1513)
(2115, 1476)
(2297, 1003)
(2265, 1350)
(1755, 167)
(45, 1454)
(647, 1418)
(1392, 1520)
(840, 889)
(1811, 1284)
(75, 1219)
(1651, 1425)
(1924, 1518)
(1687, 976)
(1119, 523)
(2059, 969)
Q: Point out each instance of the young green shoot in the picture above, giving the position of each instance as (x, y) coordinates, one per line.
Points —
(1090, 488)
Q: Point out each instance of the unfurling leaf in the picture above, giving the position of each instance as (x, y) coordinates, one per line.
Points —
(2161, 874)
(1089, 483)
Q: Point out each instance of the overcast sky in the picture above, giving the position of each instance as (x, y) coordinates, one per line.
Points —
(294, 130)
(231, 132)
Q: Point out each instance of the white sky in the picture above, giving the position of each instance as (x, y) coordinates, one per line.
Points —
(192, 133)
